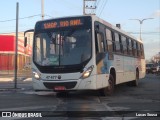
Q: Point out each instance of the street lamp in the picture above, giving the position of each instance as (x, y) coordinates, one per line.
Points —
(141, 22)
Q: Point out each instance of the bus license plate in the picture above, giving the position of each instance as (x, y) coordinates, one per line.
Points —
(59, 88)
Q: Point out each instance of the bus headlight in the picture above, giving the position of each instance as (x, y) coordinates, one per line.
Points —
(36, 75)
(88, 72)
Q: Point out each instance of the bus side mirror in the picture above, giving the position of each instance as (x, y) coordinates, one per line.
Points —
(25, 41)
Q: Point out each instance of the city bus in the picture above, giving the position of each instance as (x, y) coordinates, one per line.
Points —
(84, 53)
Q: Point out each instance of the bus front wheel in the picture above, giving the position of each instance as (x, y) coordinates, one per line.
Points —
(110, 88)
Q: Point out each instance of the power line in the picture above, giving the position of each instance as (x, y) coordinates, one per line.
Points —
(103, 7)
(24, 18)
(103, 4)
(99, 6)
(97, 3)
(144, 33)
(21, 18)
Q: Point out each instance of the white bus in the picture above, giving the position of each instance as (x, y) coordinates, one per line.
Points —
(84, 53)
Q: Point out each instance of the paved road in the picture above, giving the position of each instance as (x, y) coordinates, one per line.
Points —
(127, 103)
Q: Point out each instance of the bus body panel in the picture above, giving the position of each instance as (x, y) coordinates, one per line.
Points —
(87, 84)
(38, 85)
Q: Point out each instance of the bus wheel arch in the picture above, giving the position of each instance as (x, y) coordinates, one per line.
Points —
(109, 90)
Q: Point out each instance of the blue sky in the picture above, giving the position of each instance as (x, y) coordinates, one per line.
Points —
(115, 11)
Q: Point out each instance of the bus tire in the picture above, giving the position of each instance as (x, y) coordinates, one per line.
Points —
(109, 89)
(135, 82)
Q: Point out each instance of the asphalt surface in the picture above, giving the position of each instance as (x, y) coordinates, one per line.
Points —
(127, 103)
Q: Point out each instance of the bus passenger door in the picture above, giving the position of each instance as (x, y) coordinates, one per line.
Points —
(100, 55)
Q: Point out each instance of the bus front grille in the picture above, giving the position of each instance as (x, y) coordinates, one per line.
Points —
(67, 85)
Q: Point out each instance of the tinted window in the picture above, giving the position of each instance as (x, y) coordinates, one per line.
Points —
(109, 40)
(54, 48)
(135, 48)
(124, 44)
(117, 43)
(100, 43)
(138, 50)
(142, 50)
(130, 47)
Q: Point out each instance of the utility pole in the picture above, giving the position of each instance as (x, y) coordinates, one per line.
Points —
(89, 6)
(83, 7)
(42, 9)
(16, 46)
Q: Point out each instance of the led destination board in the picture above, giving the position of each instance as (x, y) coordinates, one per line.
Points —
(62, 23)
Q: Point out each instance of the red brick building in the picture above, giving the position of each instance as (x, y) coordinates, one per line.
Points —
(7, 52)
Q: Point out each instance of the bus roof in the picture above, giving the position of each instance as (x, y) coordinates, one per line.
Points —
(115, 28)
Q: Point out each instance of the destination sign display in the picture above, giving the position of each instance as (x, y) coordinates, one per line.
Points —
(62, 23)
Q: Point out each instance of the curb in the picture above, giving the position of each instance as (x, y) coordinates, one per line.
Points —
(11, 79)
(15, 89)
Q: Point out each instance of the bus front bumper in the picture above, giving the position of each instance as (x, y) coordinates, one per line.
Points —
(80, 84)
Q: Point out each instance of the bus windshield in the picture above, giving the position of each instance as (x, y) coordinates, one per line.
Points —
(62, 47)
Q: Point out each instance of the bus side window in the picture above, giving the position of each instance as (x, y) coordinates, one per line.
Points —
(138, 50)
(130, 47)
(117, 43)
(124, 44)
(135, 48)
(109, 40)
(37, 49)
(142, 50)
(99, 43)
